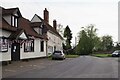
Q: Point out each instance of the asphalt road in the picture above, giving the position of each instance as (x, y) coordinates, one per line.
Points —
(81, 67)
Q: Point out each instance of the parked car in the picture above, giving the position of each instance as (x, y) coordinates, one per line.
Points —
(58, 55)
(116, 53)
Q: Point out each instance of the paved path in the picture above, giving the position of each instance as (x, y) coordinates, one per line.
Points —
(81, 67)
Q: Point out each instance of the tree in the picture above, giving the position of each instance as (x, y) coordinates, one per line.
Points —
(82, 47)
(87, 39)
(107, 42)
(117, 46)
(91, 32)
(68, 36)
(60, 29)
(64, 47)
(97, 44)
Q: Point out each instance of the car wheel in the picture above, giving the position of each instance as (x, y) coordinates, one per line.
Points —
(113, 55)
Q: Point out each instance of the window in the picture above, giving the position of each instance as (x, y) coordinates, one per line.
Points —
(14, 21)
(42, 46)
(50, 49)
(29, 46)
(3, 45)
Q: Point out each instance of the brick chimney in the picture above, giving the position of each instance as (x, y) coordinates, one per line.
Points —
(55, 24)
(46, 15)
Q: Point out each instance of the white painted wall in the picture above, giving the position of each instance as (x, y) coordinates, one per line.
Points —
(37, 53)
(54, 40)
(4, 33)
(35, 19)
(8, 18)
(5, 56)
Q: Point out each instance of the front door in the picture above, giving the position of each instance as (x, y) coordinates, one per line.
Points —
(15, 52)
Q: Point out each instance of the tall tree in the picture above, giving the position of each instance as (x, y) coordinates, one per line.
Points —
(107, 42)
(60, 29)
(117, 46)
(97, 44)
(82, 47)
(91, 32)
(68, 36)
(87, 39)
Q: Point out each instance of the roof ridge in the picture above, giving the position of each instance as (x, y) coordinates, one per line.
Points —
(54, 31)
(11, 8)
(34, 33)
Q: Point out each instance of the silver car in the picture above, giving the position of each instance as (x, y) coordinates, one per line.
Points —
(58, 55)
(116, 53)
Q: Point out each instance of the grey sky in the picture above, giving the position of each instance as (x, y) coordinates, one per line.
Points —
(75, 13)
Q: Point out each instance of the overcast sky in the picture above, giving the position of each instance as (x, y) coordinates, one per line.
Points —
(75, 13)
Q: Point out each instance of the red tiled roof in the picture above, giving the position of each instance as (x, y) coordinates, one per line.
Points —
(25, 25)
(16, 34)
(49, 27)
(53, 30)
(36, 24)
(4, 24)
(10, 11)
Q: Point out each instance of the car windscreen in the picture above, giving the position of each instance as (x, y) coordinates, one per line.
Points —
(57, 52)
(116, 51)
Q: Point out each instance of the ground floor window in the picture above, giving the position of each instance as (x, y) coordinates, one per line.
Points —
(29, 46)
(50, 49)
(3, 45)
(42, 46)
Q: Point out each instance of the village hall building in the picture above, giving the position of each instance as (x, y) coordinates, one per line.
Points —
(23, 39)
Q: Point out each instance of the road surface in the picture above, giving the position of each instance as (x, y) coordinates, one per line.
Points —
(81, 67)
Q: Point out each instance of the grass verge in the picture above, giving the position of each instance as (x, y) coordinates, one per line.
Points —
(71, 56)
(67, 56)
(102, 55)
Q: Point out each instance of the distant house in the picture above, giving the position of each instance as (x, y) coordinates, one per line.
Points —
(42, 26)
(18, 40)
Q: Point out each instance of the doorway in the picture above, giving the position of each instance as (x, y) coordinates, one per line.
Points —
(15, 52)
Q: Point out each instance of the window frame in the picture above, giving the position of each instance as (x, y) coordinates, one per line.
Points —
(5, 44)
(14, 21)
(29, 46)
(41, 46)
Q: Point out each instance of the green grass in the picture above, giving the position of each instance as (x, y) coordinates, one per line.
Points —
(49, 57)
(67, 56)
(102, 55)
(71, 56)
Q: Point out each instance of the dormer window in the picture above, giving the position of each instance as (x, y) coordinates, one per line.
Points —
(14, 21)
